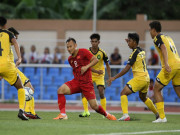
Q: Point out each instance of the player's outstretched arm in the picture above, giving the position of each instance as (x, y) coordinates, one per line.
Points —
(93, 62)
(124, 71)
(165, 57)
(16, 46)
(108, 69)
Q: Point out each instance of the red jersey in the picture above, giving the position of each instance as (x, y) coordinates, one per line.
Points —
(82, 58)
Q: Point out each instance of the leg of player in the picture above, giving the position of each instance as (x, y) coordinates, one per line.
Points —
(124, 103)
(86, 112)
(94, 105)
(148, 103)
(177, 90)
(21, 99)
(29, 108)
(102, 97)
(63, 90)
(159, 102)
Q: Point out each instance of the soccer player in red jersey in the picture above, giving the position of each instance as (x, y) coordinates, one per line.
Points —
(81, 60)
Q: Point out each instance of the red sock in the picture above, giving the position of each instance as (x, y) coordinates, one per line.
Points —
(101, 111)
(62, 103)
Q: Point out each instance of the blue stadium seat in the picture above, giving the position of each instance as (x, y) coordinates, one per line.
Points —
(37, 92)
(58, 80)
(53, 71)
(35, 80)
(47, 80)
(11, 94)
(71, 97)
(66, 70)
(44, 71)
(116, 83)
(29, 71)
(66, 62)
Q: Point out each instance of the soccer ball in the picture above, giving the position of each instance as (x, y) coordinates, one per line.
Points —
(28, 93)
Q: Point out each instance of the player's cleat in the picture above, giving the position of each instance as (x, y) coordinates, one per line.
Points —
(31, 116)
(111, 117)
(159, 120)
(125, 117)
(84, 114)
(22, 115)
(61, 117)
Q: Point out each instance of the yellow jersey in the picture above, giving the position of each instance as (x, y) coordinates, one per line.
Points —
(102, 57)
(173, 56)
(5, 45)
(138, 64)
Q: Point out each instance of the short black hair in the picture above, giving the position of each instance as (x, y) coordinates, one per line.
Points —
(3, 21)
(155, 25)
(71, 39)
(14, 31)
(134, 36)
(95, 36)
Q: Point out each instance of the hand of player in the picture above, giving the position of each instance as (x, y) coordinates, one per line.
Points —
(100, 72)
(1, 78)
(83, 69)
(109, 81)
(168, 68)
(18, 62)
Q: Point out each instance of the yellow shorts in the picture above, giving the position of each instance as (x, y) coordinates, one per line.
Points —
(138, 85)
(9, 72)
(164, 77)
(98, 80)
(24, 79)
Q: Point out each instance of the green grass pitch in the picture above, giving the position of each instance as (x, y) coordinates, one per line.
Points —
(95, 124)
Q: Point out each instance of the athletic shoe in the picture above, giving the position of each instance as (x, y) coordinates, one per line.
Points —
(32, 116)
(61, 117)
(22, 115)
(84, 114)
(159, 120)
(111, 117)
(125, 117)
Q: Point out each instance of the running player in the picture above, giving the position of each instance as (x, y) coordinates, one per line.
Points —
(81, 60)
(98, 73)
(140, 81)
(170, 62)
(29, 107)
(7, 68)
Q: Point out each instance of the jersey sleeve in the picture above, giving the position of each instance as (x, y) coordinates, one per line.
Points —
(11, 36)
(132, 57)
(87, 54)
(159, 41)
(105, 57)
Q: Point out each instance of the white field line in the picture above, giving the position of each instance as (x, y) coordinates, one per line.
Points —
(138, 133)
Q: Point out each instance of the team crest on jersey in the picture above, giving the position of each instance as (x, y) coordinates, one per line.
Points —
(99, 56)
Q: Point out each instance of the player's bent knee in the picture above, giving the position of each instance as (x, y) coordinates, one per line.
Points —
(64, 89)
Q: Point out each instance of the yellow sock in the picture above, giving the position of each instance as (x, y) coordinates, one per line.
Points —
(151, 106)
(27, 107)
(85, 104)
(160, 108)
(124, 104)
(103, 103)
(21, 98)
(32, 106)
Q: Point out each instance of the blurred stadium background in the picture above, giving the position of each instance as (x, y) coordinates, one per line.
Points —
(49, 24)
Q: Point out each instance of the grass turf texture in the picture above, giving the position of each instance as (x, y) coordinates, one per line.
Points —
(95, 124)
